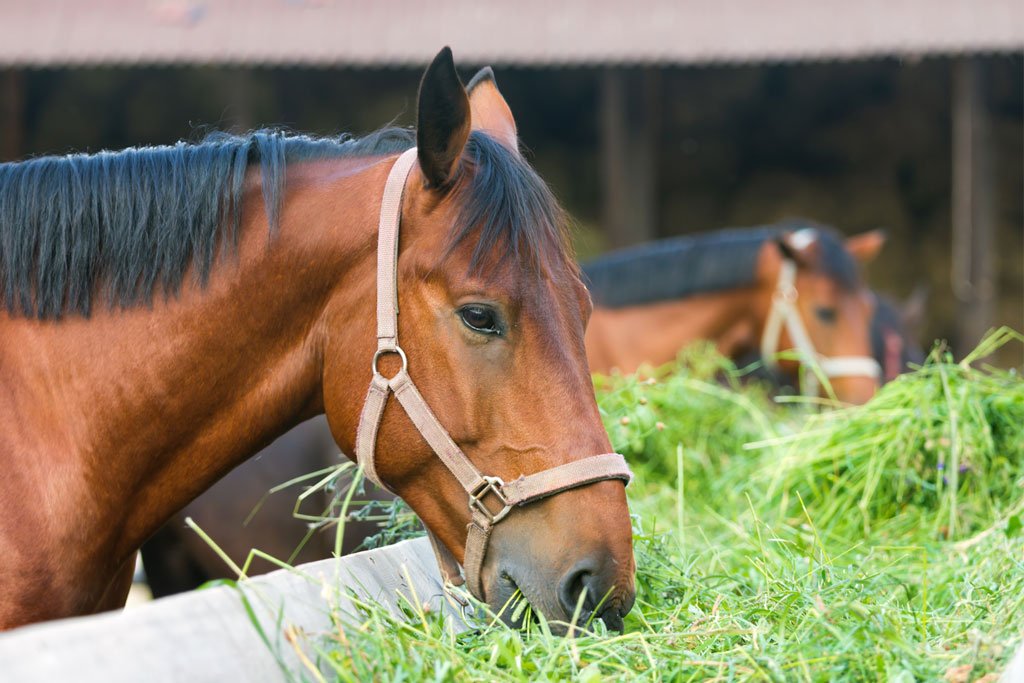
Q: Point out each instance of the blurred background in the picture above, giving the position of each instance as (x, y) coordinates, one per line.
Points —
(649, 118)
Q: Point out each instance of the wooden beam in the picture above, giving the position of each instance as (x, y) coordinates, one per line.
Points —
(629, 134)
(973, 261)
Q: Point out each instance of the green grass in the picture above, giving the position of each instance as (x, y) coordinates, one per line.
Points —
(780, 543)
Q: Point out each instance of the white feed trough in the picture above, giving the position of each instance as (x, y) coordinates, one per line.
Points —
(208, 635)
(1015, 672)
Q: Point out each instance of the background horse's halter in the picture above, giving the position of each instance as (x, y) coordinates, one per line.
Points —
(785, 311)
(480, 488)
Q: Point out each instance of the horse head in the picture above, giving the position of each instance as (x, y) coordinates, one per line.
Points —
(491, 325)
(818, 306)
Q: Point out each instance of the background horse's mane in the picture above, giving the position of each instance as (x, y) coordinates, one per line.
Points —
(674, 268)
(118, 227)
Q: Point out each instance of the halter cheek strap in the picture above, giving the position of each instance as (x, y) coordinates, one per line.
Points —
(490, 499)
(785, 312)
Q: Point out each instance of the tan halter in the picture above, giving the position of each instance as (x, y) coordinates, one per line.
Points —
(479, 487)
(784, 311)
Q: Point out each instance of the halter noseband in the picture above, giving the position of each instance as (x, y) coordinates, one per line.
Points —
(478, 487)
(785, 311)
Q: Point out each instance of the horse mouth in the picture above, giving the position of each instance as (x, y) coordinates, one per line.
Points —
(516, 608)
(509, 602)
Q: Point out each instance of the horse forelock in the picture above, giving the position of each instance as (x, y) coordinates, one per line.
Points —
(507, 212)
(834, 260)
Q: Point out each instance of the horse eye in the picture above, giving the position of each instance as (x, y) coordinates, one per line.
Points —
(825, 314)
(480, 319)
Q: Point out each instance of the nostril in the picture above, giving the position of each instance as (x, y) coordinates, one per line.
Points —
(601, 600)
(571, 587)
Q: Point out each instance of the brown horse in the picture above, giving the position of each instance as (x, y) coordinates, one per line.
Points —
(727, 287)
(240, 513)
(172, 310)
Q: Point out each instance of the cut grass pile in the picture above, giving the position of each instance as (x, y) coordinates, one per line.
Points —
(780, 543)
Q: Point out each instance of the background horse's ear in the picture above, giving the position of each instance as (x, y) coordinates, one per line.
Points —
(442, 120)
(865, 246)
(491, 112)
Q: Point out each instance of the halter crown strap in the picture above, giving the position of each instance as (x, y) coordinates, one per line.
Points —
(387, 252)
(785, 312)
(483, 491)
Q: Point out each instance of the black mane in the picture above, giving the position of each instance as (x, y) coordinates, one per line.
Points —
(116, 228)
(695, 264)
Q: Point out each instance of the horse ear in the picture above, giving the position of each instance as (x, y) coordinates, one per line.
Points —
(442, 120)
(865, 246)
(491, 113)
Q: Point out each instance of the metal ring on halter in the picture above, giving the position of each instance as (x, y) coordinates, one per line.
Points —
(380, 352)
(786, 294)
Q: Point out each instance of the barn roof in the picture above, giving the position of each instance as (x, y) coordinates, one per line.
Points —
(515, 32)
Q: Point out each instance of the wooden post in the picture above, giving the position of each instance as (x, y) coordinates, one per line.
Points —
(629, 131)
(973, 274)
(12, 104)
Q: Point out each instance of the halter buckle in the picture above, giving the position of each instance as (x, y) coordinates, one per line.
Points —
(476, 498)
(395, 349)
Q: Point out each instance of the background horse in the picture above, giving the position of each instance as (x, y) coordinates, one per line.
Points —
(654, 299)
(170, 311)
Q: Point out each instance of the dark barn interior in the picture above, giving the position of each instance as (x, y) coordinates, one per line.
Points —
(926, 143)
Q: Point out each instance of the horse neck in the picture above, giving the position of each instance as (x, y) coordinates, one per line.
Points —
(141, 410)
(625, 338)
